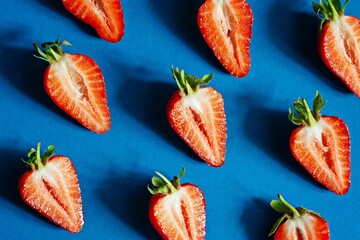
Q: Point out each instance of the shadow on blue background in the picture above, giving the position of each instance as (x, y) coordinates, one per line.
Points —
(129, 201)
(149, 108)
(181, 17)
(295, 34)
(59, 8)
(258, 215)
(28, 81)
(11, 169)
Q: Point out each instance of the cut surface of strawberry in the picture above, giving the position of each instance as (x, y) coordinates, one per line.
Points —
(227, 29)
(321, 145)
(177, 211)
(339, 42)
(76, 84)
(197, 115)
(52, 188)
(298, 223)
(106, 16)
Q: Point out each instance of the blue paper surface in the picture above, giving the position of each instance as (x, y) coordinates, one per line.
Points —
(115, 168)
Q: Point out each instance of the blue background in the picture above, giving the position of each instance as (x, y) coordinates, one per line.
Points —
(114, 169)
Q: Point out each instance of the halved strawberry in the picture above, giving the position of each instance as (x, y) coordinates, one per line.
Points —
(339, 42)
(298, 223)
(227, 28)
(52, 188)
(177, 211)
(106, 16)
(76, 84)
(197, 115)
(322, 145)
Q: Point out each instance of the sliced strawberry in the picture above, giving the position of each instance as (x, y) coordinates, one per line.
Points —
(298, 223)
(227, 28)
(106, 16)
(322, 145)
(76, 84)
(197, 115)
(51, 187)
(339, 42)
(177, 211)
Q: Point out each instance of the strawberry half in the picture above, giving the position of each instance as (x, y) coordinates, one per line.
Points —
(227, 28)
(197, 115)
(76, 84)
(322, 145)
(339, 42)
(298, 223)
(177, 211)
(106, 16)
(52, 188)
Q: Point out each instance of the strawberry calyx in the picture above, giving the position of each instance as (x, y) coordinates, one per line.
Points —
(290, 212)
(330, 10)
(52, 51)
(161, 185)
(307, 117)
(35, 160)
(189, 84)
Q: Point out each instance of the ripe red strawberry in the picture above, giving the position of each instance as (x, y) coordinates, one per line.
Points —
(76, 84)
(339, 42)
(322, 145)
(51, 187)
(227, 28)
(106, 16)
(177, 211)
(298, 223)
(197, 115)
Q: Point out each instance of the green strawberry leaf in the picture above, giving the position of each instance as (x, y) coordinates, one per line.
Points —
(318, 105)
(332, 10)
(52, 51)
(35, 160)
(277, 224)
(305, 116)
(279, 206)
(157, 182)
(189, 84)
(161, 185)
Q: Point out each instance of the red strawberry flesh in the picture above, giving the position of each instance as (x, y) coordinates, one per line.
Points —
(298, 223)
(339, 48)
(76, 85)
(324, 150)
(54, 192)
(175, 214)
(227, 28)
(106, 16)
(308, 227)
(199, 120)
(321, 144)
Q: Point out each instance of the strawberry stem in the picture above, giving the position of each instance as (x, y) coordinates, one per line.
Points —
(163, 186)
(330, 11)
(288, 205)
(289, 211)
(307, 117)
(189, 84)
(35, 160)
(52, 51)
(169, 185)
